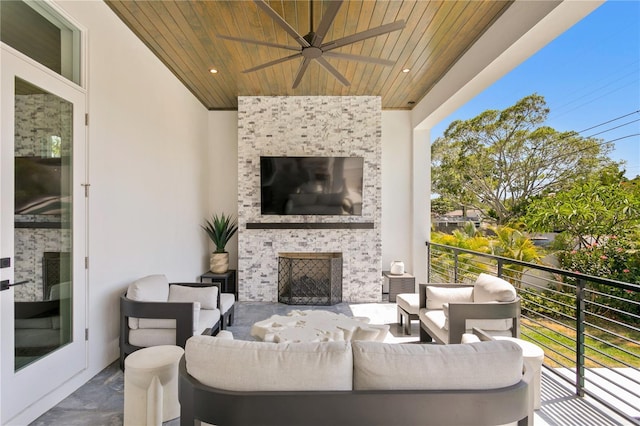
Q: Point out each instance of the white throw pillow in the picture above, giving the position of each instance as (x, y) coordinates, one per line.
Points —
(261, 366)
(488, 288)
(437, 296)
(207, 296)
(152, 288)
(484, 365)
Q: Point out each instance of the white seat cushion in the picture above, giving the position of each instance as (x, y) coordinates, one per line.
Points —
(145, 337)
(485, 365)
(260, 366)
(410, 302)
(434, 319)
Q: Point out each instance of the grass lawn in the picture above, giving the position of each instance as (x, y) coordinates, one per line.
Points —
(604, 349)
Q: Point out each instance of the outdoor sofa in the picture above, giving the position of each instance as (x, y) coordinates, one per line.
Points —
(229, 382)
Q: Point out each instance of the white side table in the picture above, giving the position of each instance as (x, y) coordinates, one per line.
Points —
(151, 385)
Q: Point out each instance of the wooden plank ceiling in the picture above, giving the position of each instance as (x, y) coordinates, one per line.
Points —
(182, 34)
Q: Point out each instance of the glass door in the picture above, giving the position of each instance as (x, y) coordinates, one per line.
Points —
(42, 233)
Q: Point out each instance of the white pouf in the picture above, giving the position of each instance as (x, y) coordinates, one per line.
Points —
(533, 357)
(151, 385)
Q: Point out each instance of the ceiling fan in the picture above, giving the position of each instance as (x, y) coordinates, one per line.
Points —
(311, 46)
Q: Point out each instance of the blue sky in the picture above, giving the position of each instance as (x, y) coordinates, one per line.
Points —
(588, 75)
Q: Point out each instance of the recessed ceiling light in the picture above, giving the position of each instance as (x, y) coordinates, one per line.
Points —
(406, 70)
(213, 71)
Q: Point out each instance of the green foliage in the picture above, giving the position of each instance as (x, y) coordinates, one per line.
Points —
(442, 205)
(220, 229)
(588, 212)
(507, 242)
(499, 161)
(514, 244)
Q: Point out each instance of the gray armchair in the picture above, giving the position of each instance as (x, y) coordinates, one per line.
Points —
(155, 312)
(447, 311)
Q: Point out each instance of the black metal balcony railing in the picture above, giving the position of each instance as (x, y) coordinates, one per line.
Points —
(589, 327)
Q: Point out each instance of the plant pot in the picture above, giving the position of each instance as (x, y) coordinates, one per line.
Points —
(219, 263)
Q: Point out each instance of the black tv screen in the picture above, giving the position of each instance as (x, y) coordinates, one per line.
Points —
(311, 185)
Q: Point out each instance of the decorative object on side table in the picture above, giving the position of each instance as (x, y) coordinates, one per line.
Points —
(220, 229)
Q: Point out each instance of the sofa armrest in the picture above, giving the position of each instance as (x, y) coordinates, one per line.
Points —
(181, 312)
(459, 313)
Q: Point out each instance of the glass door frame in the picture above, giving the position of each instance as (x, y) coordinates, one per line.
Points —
(21, 390)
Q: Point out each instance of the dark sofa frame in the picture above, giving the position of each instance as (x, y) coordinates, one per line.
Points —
(199, 402)
(181, 312)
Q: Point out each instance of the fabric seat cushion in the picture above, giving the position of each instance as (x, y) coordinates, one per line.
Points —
(145, 337)
(404, 366)
(434, 319)
(410, 302)
(261, 366)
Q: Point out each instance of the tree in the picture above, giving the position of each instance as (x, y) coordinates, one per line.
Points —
(590, 212)
(499, 161)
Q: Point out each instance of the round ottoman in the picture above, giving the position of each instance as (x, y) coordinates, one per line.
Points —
(151, 385)
(533, 356)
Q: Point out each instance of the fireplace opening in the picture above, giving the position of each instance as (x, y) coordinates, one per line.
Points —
(310, 278)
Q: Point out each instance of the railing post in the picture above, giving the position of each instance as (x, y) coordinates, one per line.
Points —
(580, 306)
(455, 266)
(499, 268)
(428, 262)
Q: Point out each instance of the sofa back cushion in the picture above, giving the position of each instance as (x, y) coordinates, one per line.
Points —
(484, 365)
(152, 288)
(207, 296)
(437, 296)
(488, 288)
(260, 366)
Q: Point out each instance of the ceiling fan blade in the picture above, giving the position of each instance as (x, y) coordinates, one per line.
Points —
(327, 66)
(347, 56)
(303, 67)
(268, 64)
(281, 22)
(373, 32)
(325, 24)
(262, 43)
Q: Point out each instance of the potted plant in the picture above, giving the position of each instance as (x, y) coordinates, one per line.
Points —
(220, 229)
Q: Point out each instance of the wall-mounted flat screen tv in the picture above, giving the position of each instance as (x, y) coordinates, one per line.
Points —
(311, 185)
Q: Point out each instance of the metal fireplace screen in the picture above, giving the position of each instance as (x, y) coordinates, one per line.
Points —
(310, 278)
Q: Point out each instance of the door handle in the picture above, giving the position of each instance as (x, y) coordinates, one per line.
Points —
(4, 285)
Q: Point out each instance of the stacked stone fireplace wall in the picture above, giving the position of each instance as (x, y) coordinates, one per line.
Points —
(307, 126)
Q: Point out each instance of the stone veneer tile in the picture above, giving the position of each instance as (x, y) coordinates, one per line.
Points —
(303, 126)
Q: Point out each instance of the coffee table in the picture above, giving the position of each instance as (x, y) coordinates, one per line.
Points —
(317, 326)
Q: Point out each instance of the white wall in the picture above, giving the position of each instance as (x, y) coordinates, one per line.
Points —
(222, 163)
(148, 173)
(397, 194)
